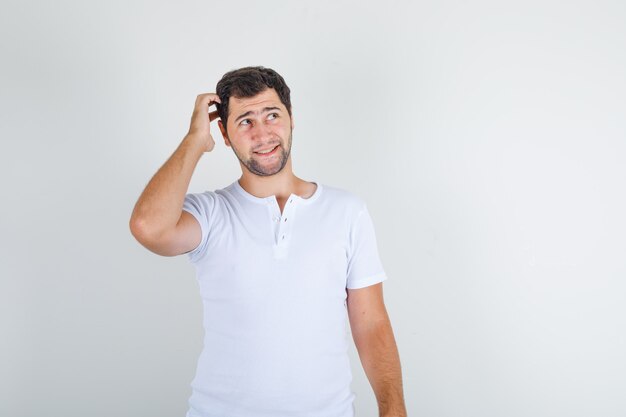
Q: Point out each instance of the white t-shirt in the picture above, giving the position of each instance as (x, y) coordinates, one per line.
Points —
(273, 288)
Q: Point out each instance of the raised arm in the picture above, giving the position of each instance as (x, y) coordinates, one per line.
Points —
(158, 221)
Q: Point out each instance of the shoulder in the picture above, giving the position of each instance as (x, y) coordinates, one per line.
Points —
(346, 199)
(203, 198)
(208, 199)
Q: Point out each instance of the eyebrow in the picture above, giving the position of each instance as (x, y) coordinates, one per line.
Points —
(248, 113)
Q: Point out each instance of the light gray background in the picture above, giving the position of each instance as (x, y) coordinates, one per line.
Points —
(488, 139)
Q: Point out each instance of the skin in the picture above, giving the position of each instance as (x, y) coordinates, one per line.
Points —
(251, 127)
(373, 337)
(264, 176)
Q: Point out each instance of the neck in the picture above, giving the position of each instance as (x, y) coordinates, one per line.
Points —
(282, 184)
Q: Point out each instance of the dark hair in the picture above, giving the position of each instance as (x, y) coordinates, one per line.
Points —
(248, 82)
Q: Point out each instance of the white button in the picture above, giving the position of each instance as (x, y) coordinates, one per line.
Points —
(276, 218)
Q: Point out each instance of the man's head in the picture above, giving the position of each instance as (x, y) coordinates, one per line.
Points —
(248, 82)
(255, 117)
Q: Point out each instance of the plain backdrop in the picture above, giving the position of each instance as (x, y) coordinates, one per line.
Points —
(488, 139)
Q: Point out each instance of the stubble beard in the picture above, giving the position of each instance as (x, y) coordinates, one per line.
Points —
(259, 169)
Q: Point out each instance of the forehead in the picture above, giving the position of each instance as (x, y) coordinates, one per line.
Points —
(265, 98)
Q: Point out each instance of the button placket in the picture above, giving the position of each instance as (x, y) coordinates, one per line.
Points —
(273, 212)
(284, 230)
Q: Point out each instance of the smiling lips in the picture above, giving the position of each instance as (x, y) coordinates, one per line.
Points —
(268, 152)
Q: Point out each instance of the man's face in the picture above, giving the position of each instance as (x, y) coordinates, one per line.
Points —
(256, 125)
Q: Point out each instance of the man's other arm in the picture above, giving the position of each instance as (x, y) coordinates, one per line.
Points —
(375, 342)
(158, 221)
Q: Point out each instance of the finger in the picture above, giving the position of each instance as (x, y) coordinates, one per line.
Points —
(208, 98)
(213, 115)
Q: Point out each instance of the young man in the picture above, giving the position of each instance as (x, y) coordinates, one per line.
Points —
(279, 261)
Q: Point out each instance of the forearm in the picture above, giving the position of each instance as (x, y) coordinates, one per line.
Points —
(381, 362)
(160, 205)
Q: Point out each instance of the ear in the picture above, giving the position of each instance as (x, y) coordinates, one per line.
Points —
(292, 122)
(224, 134)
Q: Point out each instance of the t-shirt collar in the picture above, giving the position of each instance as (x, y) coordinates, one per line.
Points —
(264, 200)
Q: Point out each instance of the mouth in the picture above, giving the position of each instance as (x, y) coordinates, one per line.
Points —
(268, 152)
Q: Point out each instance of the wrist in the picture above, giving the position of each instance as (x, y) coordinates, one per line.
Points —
(196, 142)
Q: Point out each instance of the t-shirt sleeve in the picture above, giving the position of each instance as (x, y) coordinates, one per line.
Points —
(364, 265)
(201, 206)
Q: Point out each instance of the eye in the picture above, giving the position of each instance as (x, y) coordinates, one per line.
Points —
(245, 122)
(272, 116)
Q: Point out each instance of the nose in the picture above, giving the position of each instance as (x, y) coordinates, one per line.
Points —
(261, 132)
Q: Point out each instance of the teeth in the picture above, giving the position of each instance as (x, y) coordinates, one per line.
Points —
(267, 151)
